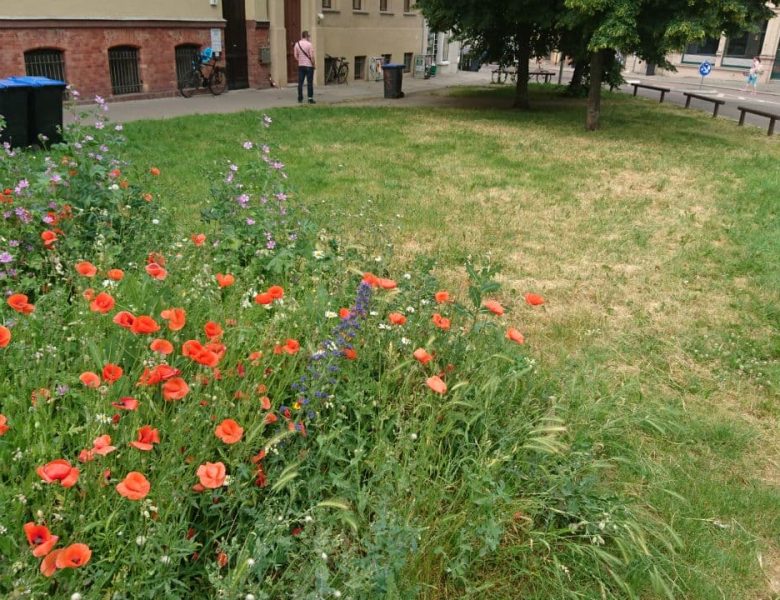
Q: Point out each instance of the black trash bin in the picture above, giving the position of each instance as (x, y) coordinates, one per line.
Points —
(394, 76)
(14, 108)
(44, 108)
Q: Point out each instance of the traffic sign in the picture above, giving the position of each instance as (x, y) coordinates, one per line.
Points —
(705, 68)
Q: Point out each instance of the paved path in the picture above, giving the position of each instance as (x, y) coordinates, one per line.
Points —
(419, 91)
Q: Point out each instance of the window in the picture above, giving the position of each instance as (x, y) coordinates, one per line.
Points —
(357, 4)
(407, 6)
(382, 5)
(707, 47)
(45, 62)
(386, 58)
(123, 66)
(445, 47)
(327, 4)
(360, 67)
(746, 45)
(408, 62)
(184, 56)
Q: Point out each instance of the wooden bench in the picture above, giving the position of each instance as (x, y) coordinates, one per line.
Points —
(663, 90)
(761, 113)
(496, 75)
(715, 101)
(546, 74)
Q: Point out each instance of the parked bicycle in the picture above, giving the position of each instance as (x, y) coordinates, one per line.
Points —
(204, 74)
(338, 69)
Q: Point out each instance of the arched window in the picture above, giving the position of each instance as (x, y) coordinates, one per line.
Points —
(45, 62)
(184, 56)
(124, 69)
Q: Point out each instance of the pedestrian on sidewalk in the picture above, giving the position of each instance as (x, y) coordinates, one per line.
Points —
(752, 75)
(304, 54)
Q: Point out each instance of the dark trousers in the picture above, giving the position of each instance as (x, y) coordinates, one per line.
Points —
(308, 74)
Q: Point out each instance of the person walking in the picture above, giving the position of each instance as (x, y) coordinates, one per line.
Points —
(304, 54)
(752, 76)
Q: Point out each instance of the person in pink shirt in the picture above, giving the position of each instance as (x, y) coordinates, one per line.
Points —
(304, 54)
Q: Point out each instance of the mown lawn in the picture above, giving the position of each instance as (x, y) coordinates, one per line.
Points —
(655, 242)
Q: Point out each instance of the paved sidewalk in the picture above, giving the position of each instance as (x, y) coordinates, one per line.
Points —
(251, 99)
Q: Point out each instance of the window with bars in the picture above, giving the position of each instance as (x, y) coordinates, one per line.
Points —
(124, 69)
(45, 62)
(360, 67)
(185, 53)
(407, 6)
(382, 5)
(408, 62)
(387, 58)
(357, 4)
(327, 4)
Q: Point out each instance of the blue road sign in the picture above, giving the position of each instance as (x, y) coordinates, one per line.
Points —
(705, 68)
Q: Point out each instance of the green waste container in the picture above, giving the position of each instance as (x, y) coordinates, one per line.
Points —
(394, 77)
(13, 107)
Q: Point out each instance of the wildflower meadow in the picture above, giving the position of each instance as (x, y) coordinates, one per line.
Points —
(254, 409)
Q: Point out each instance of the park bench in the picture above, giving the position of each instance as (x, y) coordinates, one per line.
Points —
(761, 113)
(663, 90)
(497, 74)
(548, 75)
(715, 101)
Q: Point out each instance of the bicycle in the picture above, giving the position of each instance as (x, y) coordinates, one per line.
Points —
(338, 69)
(197, 77)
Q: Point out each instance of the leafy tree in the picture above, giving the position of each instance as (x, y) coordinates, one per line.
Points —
(507, 31)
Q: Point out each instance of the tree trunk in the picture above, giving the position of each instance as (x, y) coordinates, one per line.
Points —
(523, 57)
(575, 85)
(594, 95)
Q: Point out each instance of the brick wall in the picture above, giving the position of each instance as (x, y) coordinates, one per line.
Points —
(257, 36)
(86, 53)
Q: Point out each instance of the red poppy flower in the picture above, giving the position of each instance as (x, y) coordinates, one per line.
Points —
(3, 425)
(225, 280)
(144, 324)
(176, 318)
(116, 274)
(211, 475)
(158, 374)
(263, 298)
(396, 318)
(371, 279)
(212, 329)
(350, 354)
(265, 403)
(222, 559)
(126, 403)
(441, 297)
(134, 487)
(124, 319)
(534, 299)
(155, 257)
(198, 238)
(90, 379)
(387, 284)
(161, 346)
(422, 355)
(175, 389)
(49, 238)
(156, 271)
(102, 303)
(59, 470)
(39, 537)
(49, 563)
(229, 431)
(441, 322)
(154, 171)
(112, 373)
(436, 384)
(19, 302)
(344, 313)
(102, 445)
(5, 336)
(276, 292)
(514, 335)
(86, 269)
(146, 438)
(73, 556)
(493, 307)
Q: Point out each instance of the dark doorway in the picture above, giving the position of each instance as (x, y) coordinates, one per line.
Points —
(292, 23)
(234, 13)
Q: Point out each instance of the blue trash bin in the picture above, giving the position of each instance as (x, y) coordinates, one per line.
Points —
(44, 108)
(14, 108)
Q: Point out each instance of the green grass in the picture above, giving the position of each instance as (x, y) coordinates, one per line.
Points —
(655, 242)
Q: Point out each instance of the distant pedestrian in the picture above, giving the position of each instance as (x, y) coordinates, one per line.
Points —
(304, 54)
(752, 75)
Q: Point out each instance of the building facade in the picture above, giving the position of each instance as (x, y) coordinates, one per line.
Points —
(120, 49)
(730, 57)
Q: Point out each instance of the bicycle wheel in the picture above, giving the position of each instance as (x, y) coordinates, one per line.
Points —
(343, 73)
(217, 82)
(189, 83)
